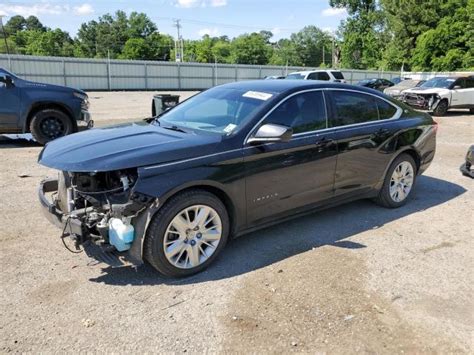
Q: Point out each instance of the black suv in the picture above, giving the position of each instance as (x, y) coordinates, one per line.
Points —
(47, 111)
(229, 160)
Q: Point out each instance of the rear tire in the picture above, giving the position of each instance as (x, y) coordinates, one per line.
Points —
(171, 250)
(442, 108)
(50, 124)
(398, 183)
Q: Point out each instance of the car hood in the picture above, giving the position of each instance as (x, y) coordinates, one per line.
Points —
(427, 91)
(42, 86)
(125, 146)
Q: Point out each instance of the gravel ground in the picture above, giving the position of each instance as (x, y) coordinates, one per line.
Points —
(356, 278)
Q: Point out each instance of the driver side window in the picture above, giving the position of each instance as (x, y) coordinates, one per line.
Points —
(304, 112)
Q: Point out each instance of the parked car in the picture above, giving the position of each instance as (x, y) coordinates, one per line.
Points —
(397, 90)
(398, 79)
(466, 168)
(326, 75)
(439, 94)
(376, 83)
(228, 161)
(47, 111)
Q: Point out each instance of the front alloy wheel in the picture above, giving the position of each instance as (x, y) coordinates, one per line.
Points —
(187, 233)
(192, 236)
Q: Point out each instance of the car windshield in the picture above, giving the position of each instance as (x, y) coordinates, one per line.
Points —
(218, 110)
(407, 84)
(295, 76)
(439, 83)
(6, 72)
(337, 75)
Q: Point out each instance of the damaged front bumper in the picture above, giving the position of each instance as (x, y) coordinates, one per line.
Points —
(96, 245)
(422, 102)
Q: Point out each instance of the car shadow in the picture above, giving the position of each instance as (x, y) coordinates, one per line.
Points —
(17, 141)
(267, 246)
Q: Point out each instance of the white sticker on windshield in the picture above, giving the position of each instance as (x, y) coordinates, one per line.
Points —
(257, 95)
(229, 128)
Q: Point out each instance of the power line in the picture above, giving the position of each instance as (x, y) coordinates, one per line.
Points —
(220, 24)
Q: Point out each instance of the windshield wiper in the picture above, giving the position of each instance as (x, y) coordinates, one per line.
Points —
(174, 128)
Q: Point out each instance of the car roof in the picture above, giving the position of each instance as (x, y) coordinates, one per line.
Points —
(313, 71)
(289, 86)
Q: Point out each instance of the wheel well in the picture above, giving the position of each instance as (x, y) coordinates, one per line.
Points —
(221, 195)
(415, 157)
(44, 106)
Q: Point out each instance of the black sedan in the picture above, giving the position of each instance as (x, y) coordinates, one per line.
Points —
(173, 189)
(376, 83)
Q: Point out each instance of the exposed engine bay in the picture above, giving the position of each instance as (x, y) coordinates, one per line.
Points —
(99, 207)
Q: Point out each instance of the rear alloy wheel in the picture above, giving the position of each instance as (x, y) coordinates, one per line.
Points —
(398, 182)
(441, 109)
(50, 124)
(187, 233)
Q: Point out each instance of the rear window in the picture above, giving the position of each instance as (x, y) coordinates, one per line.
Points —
(295, 77)
(352, 108)
(338, 75)
(386, 110)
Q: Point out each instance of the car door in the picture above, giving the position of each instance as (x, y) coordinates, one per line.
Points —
(287, 176)
(462, 92)
(363, 123)
(9, 104)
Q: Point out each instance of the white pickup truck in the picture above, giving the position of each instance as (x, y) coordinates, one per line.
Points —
(439, 94)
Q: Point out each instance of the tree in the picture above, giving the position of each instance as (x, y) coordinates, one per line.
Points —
(135, 48)
(15, 24)
(33, 24)
(140, 25)
(308, 46)
(250, 49)
(222, 51)
(446, 47)
(364, 34)
(49, 43)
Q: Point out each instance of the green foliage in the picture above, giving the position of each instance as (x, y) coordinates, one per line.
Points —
(378, 34)
(250, 49)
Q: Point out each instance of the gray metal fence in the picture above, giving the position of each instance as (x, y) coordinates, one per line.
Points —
(103, 74)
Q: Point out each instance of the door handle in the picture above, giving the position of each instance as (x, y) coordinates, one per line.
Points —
(324, 142)
(381, 133)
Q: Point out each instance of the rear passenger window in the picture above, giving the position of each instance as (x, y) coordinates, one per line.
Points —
(386, 110)
(323, 76)
(470, 83)
(303, 112)
(351, 108)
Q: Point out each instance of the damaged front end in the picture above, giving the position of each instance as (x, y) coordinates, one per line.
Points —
(99, 211)
(425, 102)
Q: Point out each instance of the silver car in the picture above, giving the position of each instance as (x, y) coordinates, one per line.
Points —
(396, 91)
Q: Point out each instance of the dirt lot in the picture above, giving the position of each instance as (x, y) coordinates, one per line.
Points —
(357, 278)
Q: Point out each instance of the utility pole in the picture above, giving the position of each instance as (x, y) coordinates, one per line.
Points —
(4, 34)
(178, 45)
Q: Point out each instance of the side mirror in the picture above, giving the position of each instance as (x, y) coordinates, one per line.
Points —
(7, 79)
(457, 87)
(272, 133)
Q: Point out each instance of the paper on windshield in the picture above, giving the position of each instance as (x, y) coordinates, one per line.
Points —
(257, 95)
(229, 128)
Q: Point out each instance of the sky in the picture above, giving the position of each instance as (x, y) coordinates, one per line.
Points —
(198, 17)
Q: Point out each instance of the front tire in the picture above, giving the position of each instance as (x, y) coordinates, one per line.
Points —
(50, 124)
(187, 234)
(442, 108)
(398, 183)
